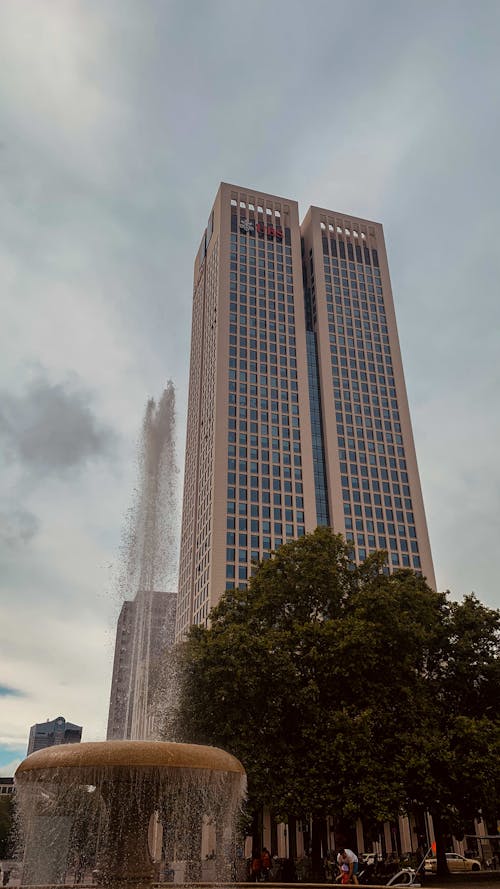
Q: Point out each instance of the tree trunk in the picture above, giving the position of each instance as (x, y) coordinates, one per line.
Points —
(318, 829)
(292, 837)
(441, 863)
(256, 832)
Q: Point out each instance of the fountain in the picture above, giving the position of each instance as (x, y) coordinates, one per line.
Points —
(106, 805)
(104, 796)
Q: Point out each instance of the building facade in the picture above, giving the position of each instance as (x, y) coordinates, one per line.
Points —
(120, 681)
(54, 731)
(297, 411)
(7, 786)
(364, 450)
(145, 631)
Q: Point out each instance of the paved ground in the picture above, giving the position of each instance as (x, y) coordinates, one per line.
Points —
(485, 879)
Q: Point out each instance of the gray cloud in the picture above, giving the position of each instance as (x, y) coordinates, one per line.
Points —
(17, 526)
(51, 427)
(119, 119)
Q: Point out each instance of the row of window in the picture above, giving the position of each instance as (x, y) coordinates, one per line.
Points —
(269, 277)
(396, 560)
(356, 291)
(385, 540)
(350, 271)
(337, 311)
(345, 325)
(360, 309)
(242, 524)
(250, 205)
(388, 538)
(356, 272)
(272, 245)
(363, 331)
(259, 509)
(259, 260)
(276, 430)
(347, 251)
(270, 299)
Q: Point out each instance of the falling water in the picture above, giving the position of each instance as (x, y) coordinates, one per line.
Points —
(149, 572)
(151, 544)
(97, 808)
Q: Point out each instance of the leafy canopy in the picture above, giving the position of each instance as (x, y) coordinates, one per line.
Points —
(344, 689)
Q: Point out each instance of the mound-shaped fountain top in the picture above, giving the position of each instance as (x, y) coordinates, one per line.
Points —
(131, 754)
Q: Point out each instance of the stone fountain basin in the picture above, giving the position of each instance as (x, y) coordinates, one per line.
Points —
(89, 757)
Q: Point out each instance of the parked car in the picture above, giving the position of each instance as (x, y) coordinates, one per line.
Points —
(367, 858)
(455, 863)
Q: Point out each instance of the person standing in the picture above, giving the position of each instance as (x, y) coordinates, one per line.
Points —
(266, 864)
(256, 868)
(347, 856)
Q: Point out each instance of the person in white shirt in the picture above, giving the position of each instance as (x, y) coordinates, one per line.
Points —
(347, 856)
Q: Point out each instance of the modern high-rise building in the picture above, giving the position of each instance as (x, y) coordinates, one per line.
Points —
(54, 731)
(122, 668)
(297, 413)
(145, 631)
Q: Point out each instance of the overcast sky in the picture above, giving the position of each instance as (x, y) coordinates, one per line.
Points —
(118, 121)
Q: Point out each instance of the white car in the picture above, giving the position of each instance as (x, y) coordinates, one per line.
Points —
(455, 863)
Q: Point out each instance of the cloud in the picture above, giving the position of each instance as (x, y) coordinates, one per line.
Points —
(51, 427)
(17, 526)
(109, 165)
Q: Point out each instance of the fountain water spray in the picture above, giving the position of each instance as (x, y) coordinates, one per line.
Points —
(104, 805)
(149, 569)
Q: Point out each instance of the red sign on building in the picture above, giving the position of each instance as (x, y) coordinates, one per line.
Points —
(269, 230)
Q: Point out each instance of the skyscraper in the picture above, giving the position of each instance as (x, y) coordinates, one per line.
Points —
(52, 732)
(297, 412)
(144, 632)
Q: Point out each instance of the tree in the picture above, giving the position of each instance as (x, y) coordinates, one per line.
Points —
(334, 684)
(453, 768)
(6, 826)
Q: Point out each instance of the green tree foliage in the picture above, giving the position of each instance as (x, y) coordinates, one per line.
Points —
(453, 767)
(6, 826)
(343, 689)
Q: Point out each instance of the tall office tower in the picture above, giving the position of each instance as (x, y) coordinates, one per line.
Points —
(248, 478)
(54, 731)
(120, 682)
(274, 445)
(366, 475)
(145, 632)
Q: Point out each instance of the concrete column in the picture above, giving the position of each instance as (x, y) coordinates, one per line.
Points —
(405, 834)
(208, 838)
(282, 841)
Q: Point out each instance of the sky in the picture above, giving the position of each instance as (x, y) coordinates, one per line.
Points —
(118, 120)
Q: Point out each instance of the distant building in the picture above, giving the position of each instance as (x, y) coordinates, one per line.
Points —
(120, 683)
(6, 786)
(55, 731)
(145, 630)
